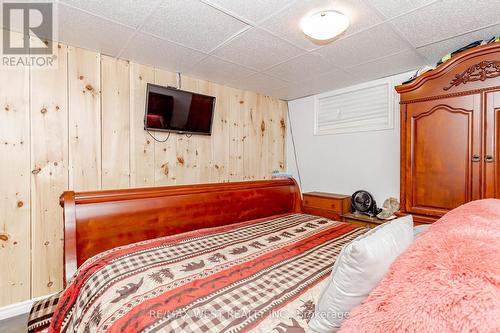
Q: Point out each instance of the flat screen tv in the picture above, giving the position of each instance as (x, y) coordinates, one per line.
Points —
(173, 110)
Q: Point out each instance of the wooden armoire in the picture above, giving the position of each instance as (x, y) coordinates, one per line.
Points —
(450, 134)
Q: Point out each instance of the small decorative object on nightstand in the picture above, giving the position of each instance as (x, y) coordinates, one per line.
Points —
(328, 205)
(364, 220)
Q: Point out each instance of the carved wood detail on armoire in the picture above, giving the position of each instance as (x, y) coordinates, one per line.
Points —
(450, 134)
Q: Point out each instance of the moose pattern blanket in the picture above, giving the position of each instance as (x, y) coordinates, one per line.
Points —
(261, 276)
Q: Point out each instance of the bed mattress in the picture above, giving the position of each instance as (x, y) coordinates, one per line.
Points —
(259, 276)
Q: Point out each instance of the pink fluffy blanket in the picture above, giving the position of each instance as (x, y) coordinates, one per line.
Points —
(448, 280)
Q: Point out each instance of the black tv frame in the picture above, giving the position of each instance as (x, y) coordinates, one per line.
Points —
(146, 128)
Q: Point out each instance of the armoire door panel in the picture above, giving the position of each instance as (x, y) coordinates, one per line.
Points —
(492, 146)
(442, 138)
(450, 134)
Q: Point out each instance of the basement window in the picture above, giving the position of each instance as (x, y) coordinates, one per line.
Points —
(365, 107)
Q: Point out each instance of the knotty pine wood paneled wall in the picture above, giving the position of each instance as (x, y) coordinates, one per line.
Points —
(80, 127)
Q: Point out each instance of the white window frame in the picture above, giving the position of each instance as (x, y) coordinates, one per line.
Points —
(388, 82)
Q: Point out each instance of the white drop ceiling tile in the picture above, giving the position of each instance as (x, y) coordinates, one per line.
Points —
(392, 8)
(128, 12)
(80, 29)
(149, 50)
(397, 63)
(261, 83)
(290, 92)
(254, 11)
(219, 71)
(368, 45)
(257, 49)
(296, 91)
(287, 71)
(446, 19)
(287, 23)
(335, 79)
(193, 24)
(302, 68)
(436, 51)
(330, 81)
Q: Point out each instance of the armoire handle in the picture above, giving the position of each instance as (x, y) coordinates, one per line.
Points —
(489, 159)
(476, 158)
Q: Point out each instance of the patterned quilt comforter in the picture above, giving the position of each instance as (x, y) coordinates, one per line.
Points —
(259, 276)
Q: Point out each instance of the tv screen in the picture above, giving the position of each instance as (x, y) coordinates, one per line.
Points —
(174, 110)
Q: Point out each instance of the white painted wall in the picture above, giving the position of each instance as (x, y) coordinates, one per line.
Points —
(344, 163)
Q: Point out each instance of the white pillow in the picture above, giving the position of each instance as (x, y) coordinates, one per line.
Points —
(420, 229)
(357, 271)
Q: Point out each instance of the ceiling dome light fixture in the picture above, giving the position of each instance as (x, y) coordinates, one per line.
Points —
(324, 25)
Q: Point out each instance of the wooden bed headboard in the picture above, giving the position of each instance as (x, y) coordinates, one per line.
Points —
(101, 220)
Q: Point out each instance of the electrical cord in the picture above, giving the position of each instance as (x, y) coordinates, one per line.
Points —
(294, 149)
(160, 141)
(179, 80)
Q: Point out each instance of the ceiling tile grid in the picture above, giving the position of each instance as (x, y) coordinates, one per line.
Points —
(193, 24)
(331, 80)
(261, 83)
(257, 49)
(302, 68)
(400, 62)
(84, 30)
(258, 44)
(393, 8)
(149, 50)
(217, 70)
(365, 46)
(446, 19)
(127, 12)
(250, 11)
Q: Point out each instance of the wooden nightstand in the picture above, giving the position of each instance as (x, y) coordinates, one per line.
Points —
(328, 205)
(365, 221)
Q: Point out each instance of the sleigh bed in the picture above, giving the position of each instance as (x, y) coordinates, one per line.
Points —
(242, 257)
(233, 257)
